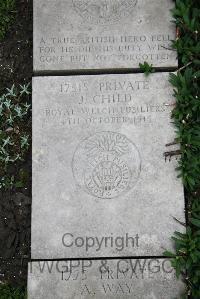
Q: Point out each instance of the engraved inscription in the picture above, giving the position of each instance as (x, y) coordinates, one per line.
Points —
(106, 164)
(115, 279)
(82, 48)
(103, 11)
(111, 102)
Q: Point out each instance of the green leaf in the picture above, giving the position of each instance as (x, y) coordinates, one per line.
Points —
(146, 68)
(169, 253)
(195, 222)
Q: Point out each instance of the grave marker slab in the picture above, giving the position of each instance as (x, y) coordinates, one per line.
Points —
(101, 185)
(110, 279)
(102, 34)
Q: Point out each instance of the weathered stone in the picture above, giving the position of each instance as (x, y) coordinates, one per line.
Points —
(101, 185)
(139, 279)
(102, 34)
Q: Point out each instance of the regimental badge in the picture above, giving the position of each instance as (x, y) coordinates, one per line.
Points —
(104, 11)
(106, 165)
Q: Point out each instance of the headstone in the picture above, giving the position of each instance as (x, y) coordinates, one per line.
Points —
(104, 279)
(102, 34)
(101, 185)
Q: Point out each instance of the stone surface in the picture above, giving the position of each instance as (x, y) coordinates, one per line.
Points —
(101, 185)
(139, 279)
(102, 34)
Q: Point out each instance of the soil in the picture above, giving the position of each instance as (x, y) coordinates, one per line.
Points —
(15, 206)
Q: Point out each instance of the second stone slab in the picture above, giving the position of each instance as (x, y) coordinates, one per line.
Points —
(101, 185)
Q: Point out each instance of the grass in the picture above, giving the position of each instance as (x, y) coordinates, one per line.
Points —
(186, 116)
(15, 129)
(14, 139)
(9, 292)
(7, 16)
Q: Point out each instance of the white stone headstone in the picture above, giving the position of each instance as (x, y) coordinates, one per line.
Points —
(102, 34)
(101, 185)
